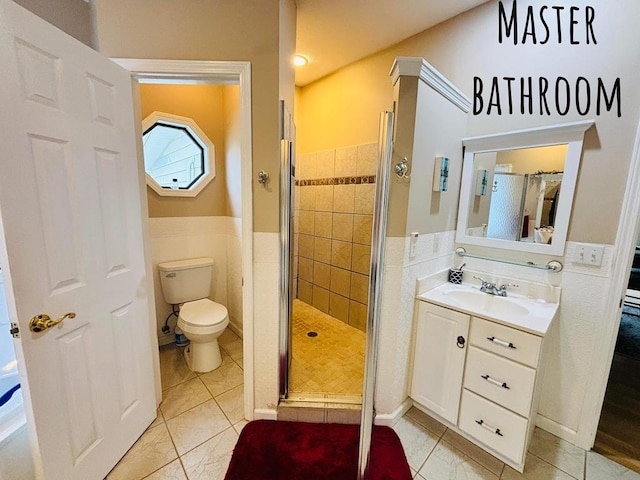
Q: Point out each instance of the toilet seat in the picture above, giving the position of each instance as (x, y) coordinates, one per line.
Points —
(203, 313)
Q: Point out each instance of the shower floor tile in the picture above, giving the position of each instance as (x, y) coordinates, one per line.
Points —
(332, 362)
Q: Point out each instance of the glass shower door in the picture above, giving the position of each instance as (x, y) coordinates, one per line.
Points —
(506, 212)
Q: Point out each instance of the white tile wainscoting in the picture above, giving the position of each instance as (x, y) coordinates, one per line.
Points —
(175, 238)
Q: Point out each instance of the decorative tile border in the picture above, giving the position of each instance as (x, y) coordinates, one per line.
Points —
(337, 181)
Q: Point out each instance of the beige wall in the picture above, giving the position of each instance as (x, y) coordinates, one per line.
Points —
(204, 104)
(427, 126)
(232, 150)
(531, 160)
(342, 109)
(199, 30)
(70, 16)
(287, 49)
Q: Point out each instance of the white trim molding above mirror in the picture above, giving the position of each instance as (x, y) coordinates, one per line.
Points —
(517, 188)
(179, 158)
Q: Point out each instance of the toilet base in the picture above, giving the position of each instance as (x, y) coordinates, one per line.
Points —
(203, 357)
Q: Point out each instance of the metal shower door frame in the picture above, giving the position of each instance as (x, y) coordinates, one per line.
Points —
(374, 310)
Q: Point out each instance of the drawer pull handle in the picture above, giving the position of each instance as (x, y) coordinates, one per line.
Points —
(489, 427)
(495, 382)
(460, 341)
(501, 342)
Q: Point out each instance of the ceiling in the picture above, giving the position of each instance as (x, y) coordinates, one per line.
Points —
(335, 33)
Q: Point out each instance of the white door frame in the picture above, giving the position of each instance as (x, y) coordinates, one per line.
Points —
(202, 72)
(624, 250)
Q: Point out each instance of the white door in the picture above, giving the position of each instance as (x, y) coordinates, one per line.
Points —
(70, 211)
(441, 346)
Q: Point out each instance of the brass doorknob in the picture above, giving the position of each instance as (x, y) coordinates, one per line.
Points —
(43, 321)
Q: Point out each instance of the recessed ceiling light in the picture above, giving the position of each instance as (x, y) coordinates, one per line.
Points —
(300, 60)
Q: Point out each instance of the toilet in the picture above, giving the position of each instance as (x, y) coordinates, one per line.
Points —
(202, 321)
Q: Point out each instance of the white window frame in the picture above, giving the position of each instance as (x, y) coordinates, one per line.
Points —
(209, 154)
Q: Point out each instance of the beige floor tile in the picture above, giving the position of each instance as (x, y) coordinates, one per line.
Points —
(173, 471)
(210, 460)
(331, 362)
(416, 441)
(232, 404)
(153, 450)
(233, 349)
(173, 368)
(535, 469)
(159, 419)
(559, 453)
(226, 360)
(15, 456)
(223, 378)
(312, 415)
(447, 462)
(195, 426)
(239, 426)
(426, 421)
(474, 452)
(227, 337)
(239, 361)
(339, 415)
(601, 468)
(183, 397)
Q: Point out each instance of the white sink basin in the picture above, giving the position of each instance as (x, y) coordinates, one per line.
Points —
(533, 315)
(479, 301)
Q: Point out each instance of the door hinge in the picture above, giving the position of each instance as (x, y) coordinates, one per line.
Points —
(14, 331)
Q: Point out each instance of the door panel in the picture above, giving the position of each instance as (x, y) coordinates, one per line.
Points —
(70, 214)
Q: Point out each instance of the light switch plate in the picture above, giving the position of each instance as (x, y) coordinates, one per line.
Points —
(413, 241)
(588, 254)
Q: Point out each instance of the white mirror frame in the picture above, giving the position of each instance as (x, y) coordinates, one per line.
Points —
(571, 134)
(209, 154)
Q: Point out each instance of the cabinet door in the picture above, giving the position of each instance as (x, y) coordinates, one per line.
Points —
(439, 359)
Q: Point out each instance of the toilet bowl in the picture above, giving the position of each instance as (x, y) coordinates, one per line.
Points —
(202, 322)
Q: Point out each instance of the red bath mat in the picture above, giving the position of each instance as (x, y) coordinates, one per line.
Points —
(269, 450)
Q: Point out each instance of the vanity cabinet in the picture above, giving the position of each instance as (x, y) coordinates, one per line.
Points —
(479, 376)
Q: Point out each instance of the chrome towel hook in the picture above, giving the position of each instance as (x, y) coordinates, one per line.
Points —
(263, 177)
(401, 168)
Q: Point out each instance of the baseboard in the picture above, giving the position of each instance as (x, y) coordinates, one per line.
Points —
(390, 419)
(265, 414)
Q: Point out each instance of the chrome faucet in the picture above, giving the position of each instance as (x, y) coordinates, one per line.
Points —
(492, 288)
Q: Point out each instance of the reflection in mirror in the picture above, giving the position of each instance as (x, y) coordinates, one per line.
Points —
(517, 188)
(521, 202)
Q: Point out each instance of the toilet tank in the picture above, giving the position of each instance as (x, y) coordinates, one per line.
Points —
(185, 280)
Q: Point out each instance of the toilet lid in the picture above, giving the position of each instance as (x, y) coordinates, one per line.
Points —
(202, 313)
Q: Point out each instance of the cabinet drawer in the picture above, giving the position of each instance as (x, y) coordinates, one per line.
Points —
(498, 428)
(506, 341)
(505, 382)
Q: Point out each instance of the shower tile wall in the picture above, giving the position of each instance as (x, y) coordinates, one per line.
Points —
(333, 216)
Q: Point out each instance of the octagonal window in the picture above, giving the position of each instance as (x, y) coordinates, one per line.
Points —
(178, 157)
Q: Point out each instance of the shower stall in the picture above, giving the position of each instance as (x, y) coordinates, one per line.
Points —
(333, 214)
(506, 212)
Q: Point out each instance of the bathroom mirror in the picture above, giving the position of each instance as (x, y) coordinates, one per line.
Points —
(517, 188)
(178, 156)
